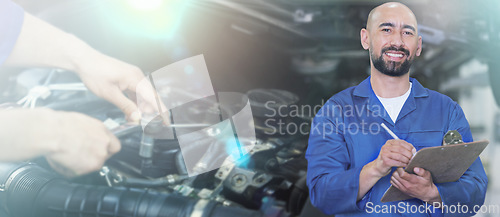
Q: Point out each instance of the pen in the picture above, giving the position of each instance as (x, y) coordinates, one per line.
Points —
(389, 131)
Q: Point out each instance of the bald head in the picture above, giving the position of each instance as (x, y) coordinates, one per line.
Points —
(389, 9)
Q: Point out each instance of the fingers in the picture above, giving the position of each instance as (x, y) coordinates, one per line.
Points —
(148, 103)
(146, 97)
(85, 145)
(425, 174)
(404, 153)
(396, 183)
(419, 171)
(136, 76)
(400, 155)
(128, 107)
(395, 160)
(111, 77)
(395, 153)
(416, 185)
(401, 179)
(402, 175)
(402, 147)
(406, 145)
(61, 169)
(114, 145)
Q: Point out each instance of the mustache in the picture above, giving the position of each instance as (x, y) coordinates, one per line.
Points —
(407, 52)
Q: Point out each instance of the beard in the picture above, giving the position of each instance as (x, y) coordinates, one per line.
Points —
(392, 68)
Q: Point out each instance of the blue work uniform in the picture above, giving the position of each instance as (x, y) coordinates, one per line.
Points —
(11, 21)
(346, 135)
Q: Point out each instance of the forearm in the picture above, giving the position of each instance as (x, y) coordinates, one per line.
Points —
(433, 197)
(368, 177)
(42, 45)
(335, 193)
(27, 134)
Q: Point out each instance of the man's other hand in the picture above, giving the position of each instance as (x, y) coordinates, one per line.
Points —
(83, 144)
(418, 185)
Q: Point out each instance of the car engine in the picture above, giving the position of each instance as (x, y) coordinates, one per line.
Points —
(148, 177)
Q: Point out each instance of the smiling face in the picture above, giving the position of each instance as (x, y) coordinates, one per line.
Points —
(392, 39)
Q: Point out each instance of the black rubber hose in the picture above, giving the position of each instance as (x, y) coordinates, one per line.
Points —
(298, 197)
(30, 191)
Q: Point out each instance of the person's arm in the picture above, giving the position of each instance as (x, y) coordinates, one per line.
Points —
(368, 177)
(394, 153)
(333, 183)
(73, 143)
(43, 45)
(470, 189)
(11, 17)
(330, 177)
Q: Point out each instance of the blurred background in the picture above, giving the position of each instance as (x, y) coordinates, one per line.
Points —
(308, 48)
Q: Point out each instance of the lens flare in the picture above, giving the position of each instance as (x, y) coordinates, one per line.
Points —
(153, 19)
(145, 4)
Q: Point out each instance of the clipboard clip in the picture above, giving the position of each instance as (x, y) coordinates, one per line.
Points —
(452, 137)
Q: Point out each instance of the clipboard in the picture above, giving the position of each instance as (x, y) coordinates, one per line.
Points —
(446, 164)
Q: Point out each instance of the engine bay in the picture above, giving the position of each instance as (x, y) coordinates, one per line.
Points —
(149, 177)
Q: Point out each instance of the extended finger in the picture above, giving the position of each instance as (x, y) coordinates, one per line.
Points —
(114, 145)
(128, 107)
(397, 184)
(148, 98)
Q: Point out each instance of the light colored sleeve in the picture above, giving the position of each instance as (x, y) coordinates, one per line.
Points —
(11, 21)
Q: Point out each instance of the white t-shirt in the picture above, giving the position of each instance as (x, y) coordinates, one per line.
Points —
(394, 105)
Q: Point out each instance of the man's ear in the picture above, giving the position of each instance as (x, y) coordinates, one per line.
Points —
(419, 46)
(365, 38)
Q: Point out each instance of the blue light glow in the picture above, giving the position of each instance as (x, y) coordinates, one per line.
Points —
(234, 151)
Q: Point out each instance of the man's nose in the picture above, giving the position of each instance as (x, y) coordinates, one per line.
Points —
(397, 40)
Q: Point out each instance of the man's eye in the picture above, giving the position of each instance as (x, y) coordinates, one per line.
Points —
(386, 30)
(408, 33)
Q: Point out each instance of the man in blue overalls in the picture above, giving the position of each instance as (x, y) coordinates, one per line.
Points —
(352, 161)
